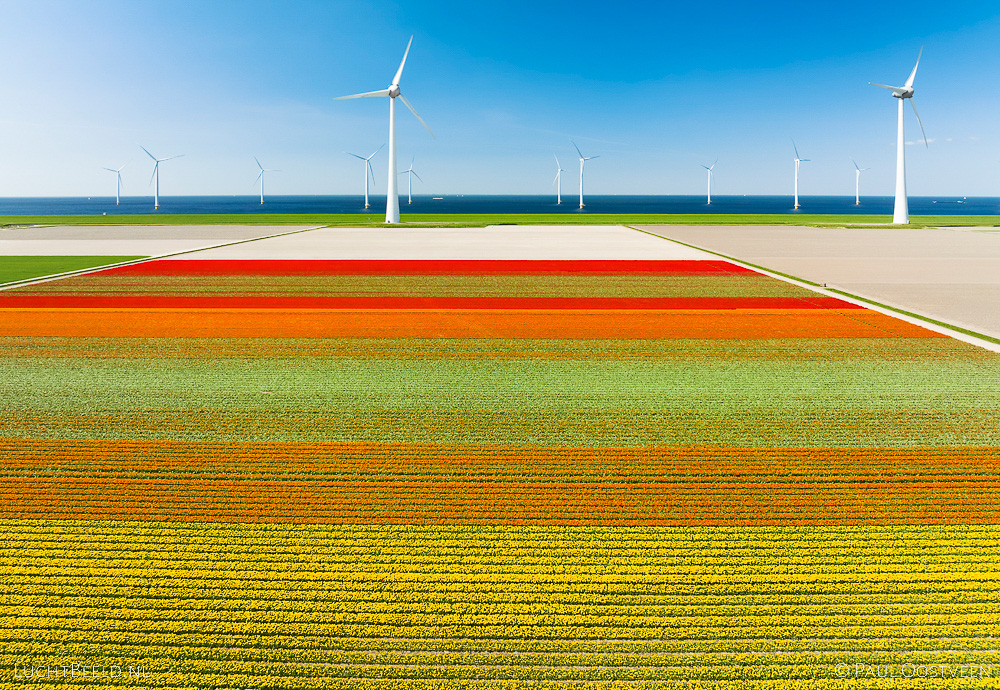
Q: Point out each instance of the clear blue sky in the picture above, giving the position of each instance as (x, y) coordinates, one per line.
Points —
(654, 89)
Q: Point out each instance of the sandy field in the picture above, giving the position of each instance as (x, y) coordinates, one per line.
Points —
(493, 242)
(952, 275)
(126, 240)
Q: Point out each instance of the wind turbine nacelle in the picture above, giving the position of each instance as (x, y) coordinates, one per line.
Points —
(393, 90)
(908, 93)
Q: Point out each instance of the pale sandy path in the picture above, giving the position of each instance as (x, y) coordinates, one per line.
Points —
(494, 242)
(126, 240)
(950, 275)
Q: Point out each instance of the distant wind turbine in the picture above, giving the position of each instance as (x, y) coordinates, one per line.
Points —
(261, 177)
(901, 210)
(558, 180)
(857, 182)
(392, 195)
(409, 172)
(582, 159)
(118, 193)
(798, 159)
(156, 174)
(368, 169)
(709, 169)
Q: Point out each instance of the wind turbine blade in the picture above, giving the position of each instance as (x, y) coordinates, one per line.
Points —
(416, 175)
(407, 104)
(376, 151)
(713, 165)
(367, 94)
(370, 171)
(804, 160)
(556, 177)
(557, 161)
(591, 158)
(154, 173)
(147, 152)
(111, 170)
(855, 164)
(258, 163)
(796, 150)
(399, 72)
(894, 89)
(909, 81)
(361, 158)
(920, 123)
(577, 149)
(260, 175)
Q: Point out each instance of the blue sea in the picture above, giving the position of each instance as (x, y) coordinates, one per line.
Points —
(482, 203)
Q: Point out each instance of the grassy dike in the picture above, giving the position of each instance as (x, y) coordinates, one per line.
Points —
(480, 220)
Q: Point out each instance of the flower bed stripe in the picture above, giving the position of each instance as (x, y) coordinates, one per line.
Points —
(264, 267)
(483, 323)
(126, 301)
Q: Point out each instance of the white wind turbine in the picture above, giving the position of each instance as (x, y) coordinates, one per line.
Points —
(156, 175)
(709, 169)
(392, 195)
(582, 159)
(557, 181)
(798, 160)
(368, 169)
(857, 182)
(409, 172)
(118, 194)
(261, 177)
(901, 210)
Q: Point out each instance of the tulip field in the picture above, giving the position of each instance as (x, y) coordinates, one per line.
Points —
(279, 473)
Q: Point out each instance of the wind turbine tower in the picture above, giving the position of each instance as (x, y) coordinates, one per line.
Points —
(261, 177)
(798, 159)
(393, 92)
(118, 193)
(557, 181)
(368, 170)
(901, 209)
(582, 160)
(709, 169)
(156, 175)
(857, 182)
(409, 181)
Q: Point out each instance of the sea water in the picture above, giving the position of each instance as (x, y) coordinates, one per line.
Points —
(494, 204)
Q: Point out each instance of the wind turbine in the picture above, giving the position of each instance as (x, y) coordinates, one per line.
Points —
(261, 177)
(156, 174)
(901, 210)
(118, 193)
(797, 161)
(709, 169)
(582, 159)
(857, 182)
(392, 195)
(409, 181)
(557, 181)
(368, 169)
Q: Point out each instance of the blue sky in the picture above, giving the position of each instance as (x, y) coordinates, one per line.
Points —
(654, 89)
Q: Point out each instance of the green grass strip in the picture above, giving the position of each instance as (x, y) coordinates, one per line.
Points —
(483, 219)
(18, 268)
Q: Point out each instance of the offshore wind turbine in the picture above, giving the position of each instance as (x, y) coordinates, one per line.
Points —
(709, 169)
(901, 210)
(409, 172)
(798, 159)
(857, 182)
(368, 169)
(261, 177)
(156, 174)
(557, 181)
(582, 159)
(118, 193)
(393, 92)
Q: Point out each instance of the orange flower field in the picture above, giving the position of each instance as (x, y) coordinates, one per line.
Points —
(434, 497)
